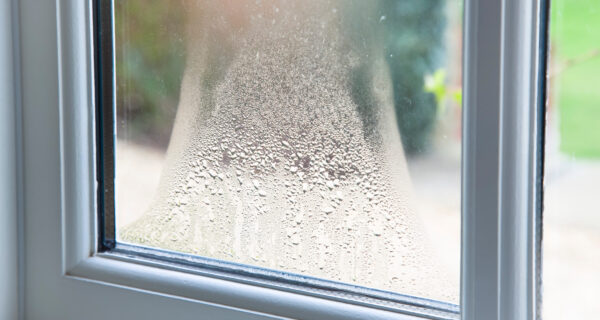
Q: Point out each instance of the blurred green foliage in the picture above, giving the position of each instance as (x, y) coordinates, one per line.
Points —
(414, 46)
(150, 48)
(436, 83)
(575, 34)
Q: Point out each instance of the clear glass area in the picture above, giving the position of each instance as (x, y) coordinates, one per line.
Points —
(571, 244)
(319, 137)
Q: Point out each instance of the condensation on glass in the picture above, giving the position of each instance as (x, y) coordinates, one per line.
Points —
(288, 121)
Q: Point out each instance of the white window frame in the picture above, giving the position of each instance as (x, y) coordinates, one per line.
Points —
(52, 269)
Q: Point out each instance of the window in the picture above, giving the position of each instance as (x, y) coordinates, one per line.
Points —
(66, 276)
(285, 156)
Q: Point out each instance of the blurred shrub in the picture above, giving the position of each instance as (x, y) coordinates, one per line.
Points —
(436, 83)
(414, 47)
(150, 47)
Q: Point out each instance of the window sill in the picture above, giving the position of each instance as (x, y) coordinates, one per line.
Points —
(178, 282)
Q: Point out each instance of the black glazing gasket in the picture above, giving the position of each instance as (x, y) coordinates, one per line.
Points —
(538, 226)
(105, 121)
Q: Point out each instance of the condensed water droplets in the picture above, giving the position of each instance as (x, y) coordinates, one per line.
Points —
(274, 161)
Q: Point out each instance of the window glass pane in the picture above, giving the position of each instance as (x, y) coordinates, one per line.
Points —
(571, 266)
(313, 137)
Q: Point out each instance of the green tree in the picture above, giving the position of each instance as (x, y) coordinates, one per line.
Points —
(150, 47)
(414, 32)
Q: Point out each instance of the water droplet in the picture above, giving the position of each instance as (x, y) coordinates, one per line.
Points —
(327, 209)
(298, 218)
(295, 239)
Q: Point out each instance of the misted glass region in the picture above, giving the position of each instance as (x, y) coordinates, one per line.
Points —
(571, 241)
(317, 137)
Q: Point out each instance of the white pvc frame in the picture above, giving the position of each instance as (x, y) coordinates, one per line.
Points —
(500, 152)
(9, 186)
(64, 277)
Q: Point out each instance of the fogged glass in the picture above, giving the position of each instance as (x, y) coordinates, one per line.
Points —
(571, 266)
(319, 137)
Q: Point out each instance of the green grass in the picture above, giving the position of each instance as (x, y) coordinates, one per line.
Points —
(575, 35)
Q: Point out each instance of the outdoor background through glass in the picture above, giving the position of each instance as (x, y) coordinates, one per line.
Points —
(314, 137)
(571, 244)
